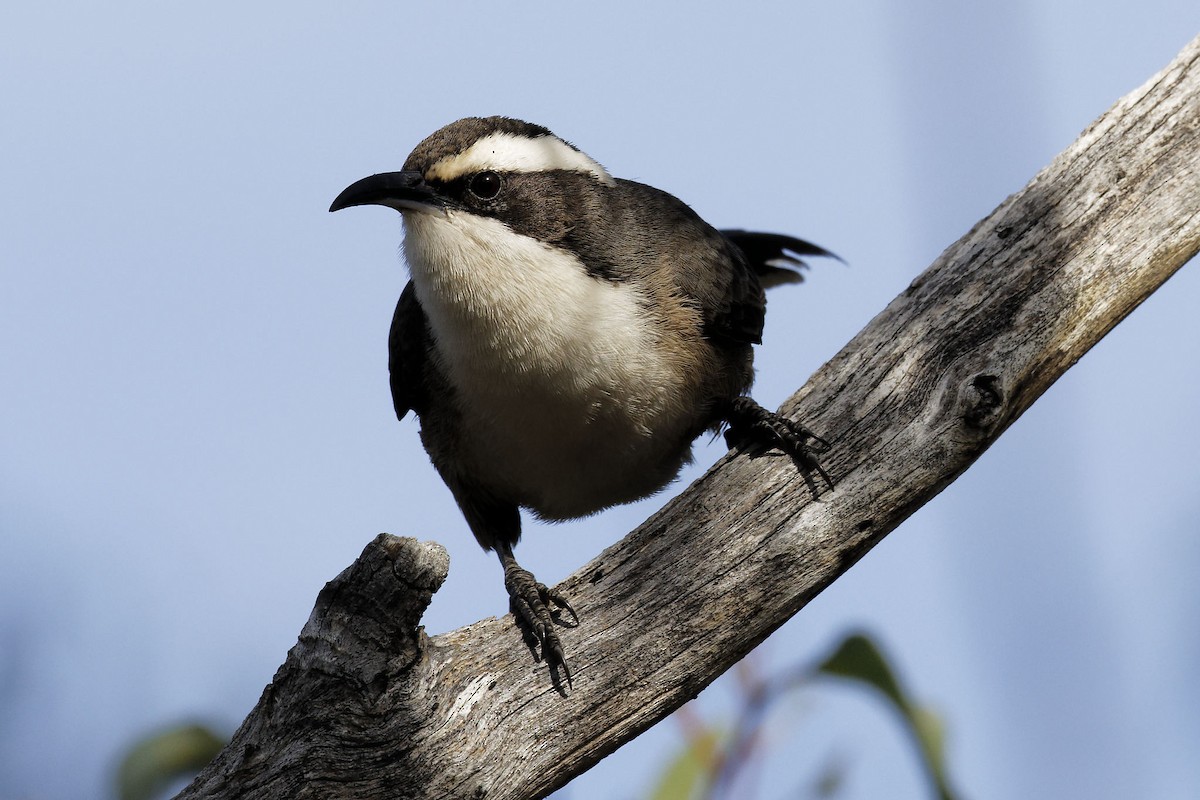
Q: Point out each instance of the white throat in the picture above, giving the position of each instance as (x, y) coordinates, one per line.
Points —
(508, 308)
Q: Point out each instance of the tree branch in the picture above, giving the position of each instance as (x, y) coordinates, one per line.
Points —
(367, 706)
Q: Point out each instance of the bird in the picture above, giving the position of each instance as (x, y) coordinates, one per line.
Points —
(565, 336)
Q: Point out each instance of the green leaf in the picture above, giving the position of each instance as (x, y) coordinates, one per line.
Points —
(690, 771)
(153, 762)
(931, 734)
(859, 659)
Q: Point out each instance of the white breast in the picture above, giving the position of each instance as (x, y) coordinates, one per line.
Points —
(569, 404)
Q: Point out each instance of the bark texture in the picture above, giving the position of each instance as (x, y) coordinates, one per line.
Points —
(367, 706)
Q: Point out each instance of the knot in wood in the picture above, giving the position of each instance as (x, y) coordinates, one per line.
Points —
(982, 399)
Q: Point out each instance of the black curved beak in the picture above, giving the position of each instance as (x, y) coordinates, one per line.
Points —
(403, 191)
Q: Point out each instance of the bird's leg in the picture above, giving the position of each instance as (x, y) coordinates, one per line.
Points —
(530, 603)
(750, 423)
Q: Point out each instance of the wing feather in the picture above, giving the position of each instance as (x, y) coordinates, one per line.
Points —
(408, 354)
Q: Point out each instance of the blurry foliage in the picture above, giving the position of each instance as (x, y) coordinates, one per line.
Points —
(688, 772)
(713, 759)
(155, 762)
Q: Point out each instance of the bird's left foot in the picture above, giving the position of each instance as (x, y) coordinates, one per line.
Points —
(750, 423)
(531, 602)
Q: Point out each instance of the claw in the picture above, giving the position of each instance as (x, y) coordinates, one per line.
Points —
(531, 601)
(560, 602)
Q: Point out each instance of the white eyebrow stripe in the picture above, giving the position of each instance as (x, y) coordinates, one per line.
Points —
(504, 152)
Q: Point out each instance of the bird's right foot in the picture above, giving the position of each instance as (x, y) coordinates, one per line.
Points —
(531, 602)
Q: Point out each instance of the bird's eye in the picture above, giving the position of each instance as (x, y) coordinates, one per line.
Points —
(485, 185)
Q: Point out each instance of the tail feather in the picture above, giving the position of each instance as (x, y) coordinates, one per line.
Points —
(776, 258)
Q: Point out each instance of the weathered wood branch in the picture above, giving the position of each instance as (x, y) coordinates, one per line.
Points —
(367, 706)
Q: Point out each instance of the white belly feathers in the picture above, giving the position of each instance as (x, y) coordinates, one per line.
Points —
(559, 378)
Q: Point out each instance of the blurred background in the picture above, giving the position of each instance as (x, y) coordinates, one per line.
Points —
(196, 432)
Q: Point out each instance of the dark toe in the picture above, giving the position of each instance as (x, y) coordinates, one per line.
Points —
(531, 603)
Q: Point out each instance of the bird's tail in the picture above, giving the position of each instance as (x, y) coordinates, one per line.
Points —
(776, 258)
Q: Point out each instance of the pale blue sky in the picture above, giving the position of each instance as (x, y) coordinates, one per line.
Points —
(196, 431)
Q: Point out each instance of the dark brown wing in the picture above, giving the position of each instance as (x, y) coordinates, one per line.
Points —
(408, 353)
(650, 231)
(757, 261)
(737, 317)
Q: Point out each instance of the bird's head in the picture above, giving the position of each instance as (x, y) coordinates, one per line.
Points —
(490, 166)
